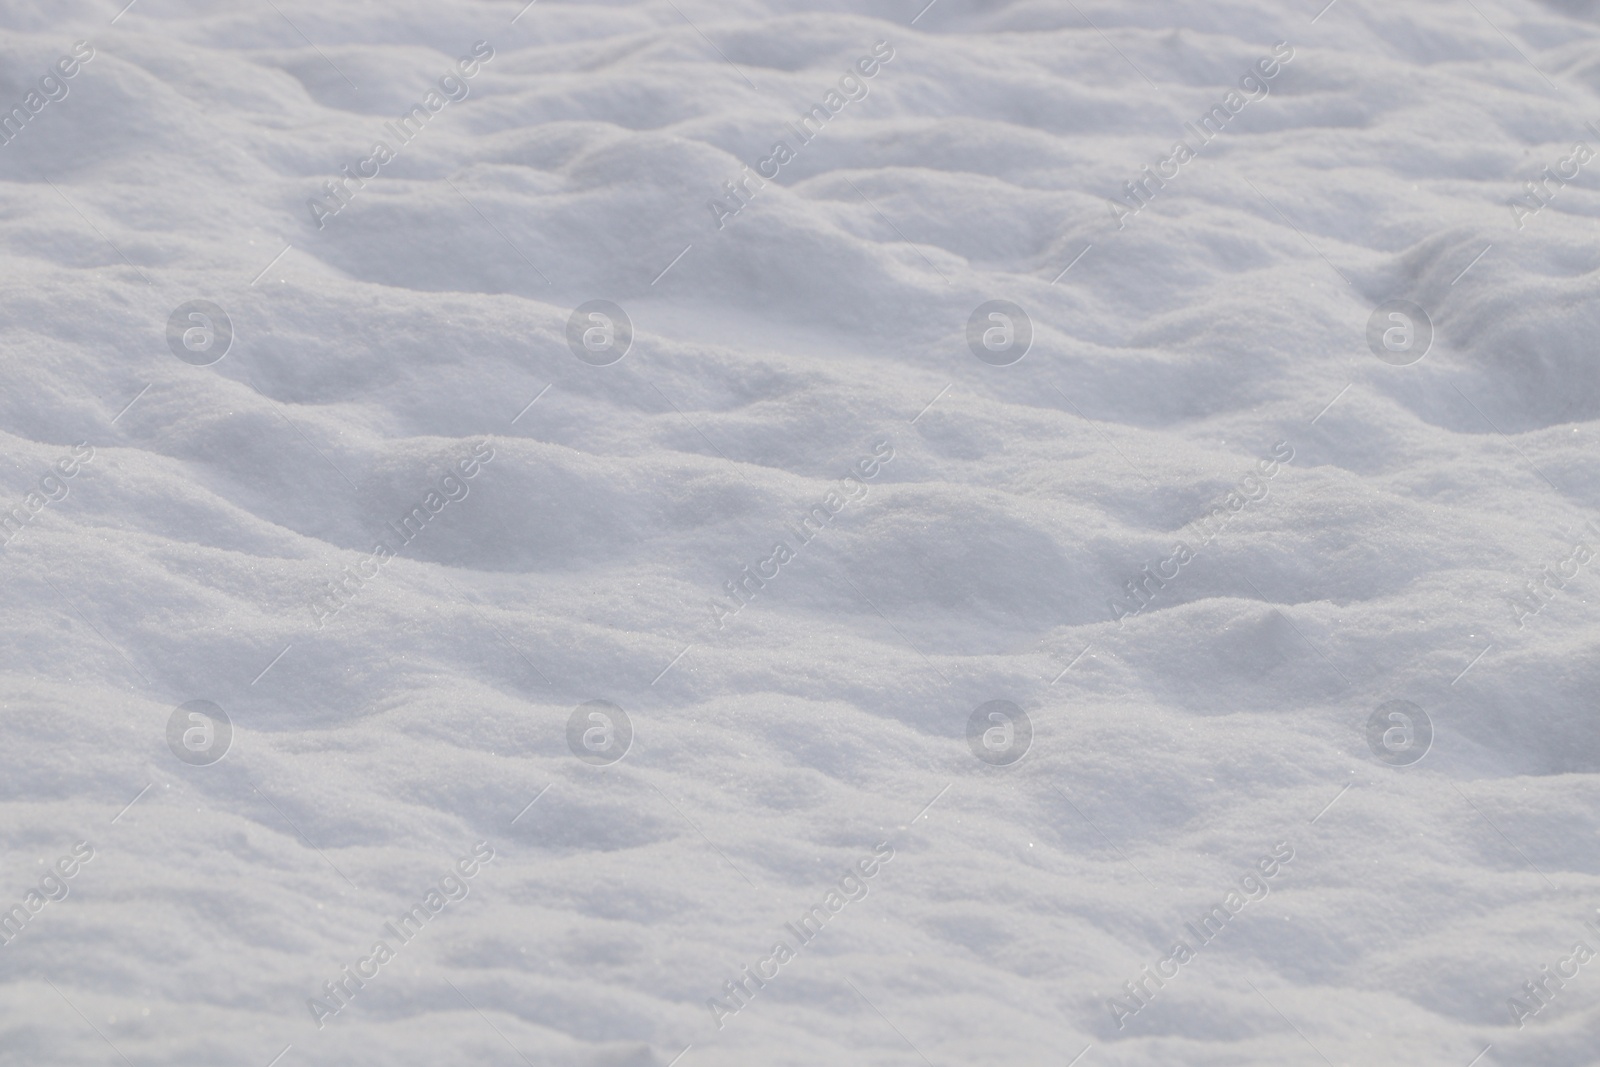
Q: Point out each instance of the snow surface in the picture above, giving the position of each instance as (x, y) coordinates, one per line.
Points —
(775, 747)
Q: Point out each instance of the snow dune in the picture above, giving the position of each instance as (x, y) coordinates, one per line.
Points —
(278, 670)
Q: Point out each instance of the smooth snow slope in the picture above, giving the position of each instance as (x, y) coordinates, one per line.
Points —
(1383, 522)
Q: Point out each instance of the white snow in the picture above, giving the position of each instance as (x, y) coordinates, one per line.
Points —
(792, 717)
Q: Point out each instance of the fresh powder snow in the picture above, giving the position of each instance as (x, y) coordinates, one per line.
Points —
(920, 532)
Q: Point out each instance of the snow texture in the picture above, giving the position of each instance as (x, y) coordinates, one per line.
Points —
(622, 534)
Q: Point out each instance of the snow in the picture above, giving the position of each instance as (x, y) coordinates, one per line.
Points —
(663, 527)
